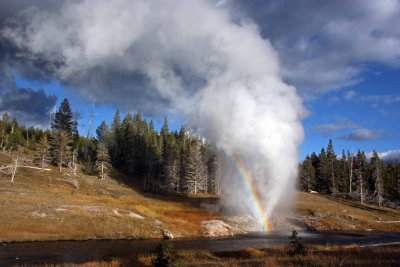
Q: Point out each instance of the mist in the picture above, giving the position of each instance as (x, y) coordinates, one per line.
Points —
(178, 57)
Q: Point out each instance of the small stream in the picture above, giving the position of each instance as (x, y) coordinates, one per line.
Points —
(29, 253)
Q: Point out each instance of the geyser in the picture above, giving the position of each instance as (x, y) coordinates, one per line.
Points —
(180, 56)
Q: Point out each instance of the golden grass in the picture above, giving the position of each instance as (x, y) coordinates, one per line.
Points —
(273, 257)
(315, 256)
(54, 206)
(330, 213)
(113, 263)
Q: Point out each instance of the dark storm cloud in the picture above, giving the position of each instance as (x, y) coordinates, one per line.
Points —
(28, 105)
(322, 46)
(9, 8)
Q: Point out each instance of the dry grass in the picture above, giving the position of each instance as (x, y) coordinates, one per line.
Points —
(329, 213)
(53, 206)
(273, 257)
(315, 256)
(113, 263)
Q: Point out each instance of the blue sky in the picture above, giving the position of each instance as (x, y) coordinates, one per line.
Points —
(370, 104)
(332, 116)
(342, 56)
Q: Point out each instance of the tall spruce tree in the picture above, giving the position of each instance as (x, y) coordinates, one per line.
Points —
(323, 175)
(377, 178)
(331, 160)
(213, 174)
(116, 141)
(61, 145)
(307, 175)
(360, 172)
(3, 130)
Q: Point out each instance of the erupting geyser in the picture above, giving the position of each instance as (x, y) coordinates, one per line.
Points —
(180, 56)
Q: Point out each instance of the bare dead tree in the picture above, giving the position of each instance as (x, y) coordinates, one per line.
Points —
(14, 169)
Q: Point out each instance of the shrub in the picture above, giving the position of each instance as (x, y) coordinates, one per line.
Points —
(165, 255)
(295, 247)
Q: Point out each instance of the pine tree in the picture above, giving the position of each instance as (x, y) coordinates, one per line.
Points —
(307, 175)
(331, 158)
(295, 247)
(116, 141)
(3, 129)
(195, 169)
(213, 174)
(360, 174)
(350, 160)
(42, 153)
(342, 174)
(61, 145)
(15, 137)
(377, 177)
(63, 119)
(322, 175)
(153, 155)
(103, 133)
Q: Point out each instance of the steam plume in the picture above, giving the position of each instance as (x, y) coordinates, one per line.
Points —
(178, 56)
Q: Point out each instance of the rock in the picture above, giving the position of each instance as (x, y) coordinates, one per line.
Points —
(157, 222)
(218, 228)
(167, 234)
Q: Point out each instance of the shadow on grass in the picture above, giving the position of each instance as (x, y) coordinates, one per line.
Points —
(356, 205)
(136, 183)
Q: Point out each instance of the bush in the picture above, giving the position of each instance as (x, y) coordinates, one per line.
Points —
(295, 246)
(165, 255)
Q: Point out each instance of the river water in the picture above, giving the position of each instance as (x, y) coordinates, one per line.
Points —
(32, 253)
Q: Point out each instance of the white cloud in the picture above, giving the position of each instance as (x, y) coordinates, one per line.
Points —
(362, 135)
(325, 46)
(190, 57)
(374, 100)
(330, 128)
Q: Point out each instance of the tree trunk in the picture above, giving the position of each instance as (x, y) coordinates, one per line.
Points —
(42, 165)
(102, 170)
(351, 175)
(361, 188)
(61, 159)
(14, 170)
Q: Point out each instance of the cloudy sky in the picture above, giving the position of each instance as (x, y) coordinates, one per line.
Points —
(343, 57)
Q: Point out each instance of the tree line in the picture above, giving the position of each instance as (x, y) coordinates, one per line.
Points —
(352, 176)
(163, 161)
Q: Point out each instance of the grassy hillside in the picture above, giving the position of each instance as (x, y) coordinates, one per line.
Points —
(53, 206)
(322, 212)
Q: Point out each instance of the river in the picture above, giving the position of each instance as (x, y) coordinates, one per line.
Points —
(30, 253)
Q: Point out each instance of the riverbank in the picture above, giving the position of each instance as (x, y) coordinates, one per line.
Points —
(249, 250)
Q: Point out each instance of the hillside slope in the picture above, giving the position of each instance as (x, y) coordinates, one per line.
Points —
(52, 206)
(320, 212)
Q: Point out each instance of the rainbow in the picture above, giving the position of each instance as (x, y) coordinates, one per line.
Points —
(253, 193)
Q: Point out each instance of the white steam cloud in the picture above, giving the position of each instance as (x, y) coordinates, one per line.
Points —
(178, 56)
